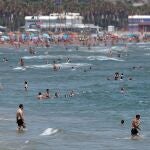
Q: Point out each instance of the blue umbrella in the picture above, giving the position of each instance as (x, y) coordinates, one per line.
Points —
(65, 36)
(45, 35)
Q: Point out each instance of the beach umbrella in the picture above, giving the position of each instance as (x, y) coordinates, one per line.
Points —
(45, 35)
(2, 27)
(6, 38)
(65, 36)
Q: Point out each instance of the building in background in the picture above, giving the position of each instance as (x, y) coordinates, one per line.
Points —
(57, 22)
(139, 23)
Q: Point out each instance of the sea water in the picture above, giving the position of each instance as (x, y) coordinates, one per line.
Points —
(89, 120)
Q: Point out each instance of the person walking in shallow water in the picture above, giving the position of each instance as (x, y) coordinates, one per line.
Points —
(135, 126)
(20, 118)
(21, 62)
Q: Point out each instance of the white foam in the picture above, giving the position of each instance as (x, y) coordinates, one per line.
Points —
(103, 58)
(40, 66)
(51, 56)
(33, 66)
(4, 119)
(61, 65)
(49, 131)
(19, 68)
(147, 54)
(117, 48)
(76, 65)
(35, 57)
(139, 137)
(27, 141)
(147, 48)
(141, 46)
(95, 49)
(124, 138)
(131, 138)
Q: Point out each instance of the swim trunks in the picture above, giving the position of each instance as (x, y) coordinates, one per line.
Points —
(134, 131)
(20, 122)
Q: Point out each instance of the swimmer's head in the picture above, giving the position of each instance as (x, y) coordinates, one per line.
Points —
(21, 106)
(122, 121)
(138, 116)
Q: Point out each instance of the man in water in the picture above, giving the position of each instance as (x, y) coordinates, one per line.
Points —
(135, 126)
(20, 118)
(46, 94)
(25, 85)
(21, 62)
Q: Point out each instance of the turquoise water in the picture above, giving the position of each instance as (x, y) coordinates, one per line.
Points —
(90, 120)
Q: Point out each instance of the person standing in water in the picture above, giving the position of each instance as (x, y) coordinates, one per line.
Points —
(21, 62)
(20, 118)
(135, 126)
(25, 85)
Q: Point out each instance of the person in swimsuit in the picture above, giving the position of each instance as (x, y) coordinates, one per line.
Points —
(135, 126)
(21, 62)
(20, 118)
(46, 94)
(25, 85)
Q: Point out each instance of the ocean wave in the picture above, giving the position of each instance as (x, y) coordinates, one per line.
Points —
(4, 119)
(142, 46)
(76, 65)
(37, 57)
(147, 54)
(61, 65)
(49, 131)
(147, 48)
(52, 56)
(19, 68)
(131, 138)
(118, 48)
(95, 49)
(103, 58)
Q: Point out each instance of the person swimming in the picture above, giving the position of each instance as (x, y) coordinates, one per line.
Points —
(122, 90)
(40, 96)
(122, 122)
(46, 94)
(121, 76)
(55, 66)
(56, 95)
(116, 77)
